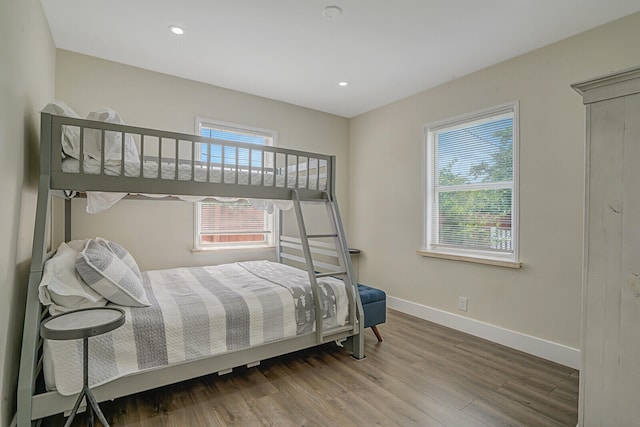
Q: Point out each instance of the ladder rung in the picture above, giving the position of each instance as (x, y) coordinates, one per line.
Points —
(318, 236)
(335, 273)
(338, 329)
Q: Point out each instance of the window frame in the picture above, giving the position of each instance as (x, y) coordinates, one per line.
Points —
(271, 220)
(429, 192)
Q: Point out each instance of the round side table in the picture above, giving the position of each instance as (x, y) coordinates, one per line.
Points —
(83, 323)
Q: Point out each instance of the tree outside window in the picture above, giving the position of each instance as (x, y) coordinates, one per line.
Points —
(471, 200)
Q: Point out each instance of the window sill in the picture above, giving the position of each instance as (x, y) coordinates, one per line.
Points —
(494, 262)
(232, 248)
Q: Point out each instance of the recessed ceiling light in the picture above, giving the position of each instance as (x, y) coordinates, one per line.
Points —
(176, 30)
(343, 84)
(331, 12)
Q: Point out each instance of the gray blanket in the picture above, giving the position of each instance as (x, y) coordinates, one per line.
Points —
(198, 312)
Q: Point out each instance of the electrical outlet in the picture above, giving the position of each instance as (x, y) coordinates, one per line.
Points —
(462, 303)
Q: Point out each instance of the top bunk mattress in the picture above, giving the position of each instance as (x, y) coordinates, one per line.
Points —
(167, 170)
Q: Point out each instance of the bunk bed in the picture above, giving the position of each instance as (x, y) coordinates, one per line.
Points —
(93, 158)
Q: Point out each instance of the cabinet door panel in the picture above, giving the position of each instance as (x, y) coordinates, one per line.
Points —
(606, 120)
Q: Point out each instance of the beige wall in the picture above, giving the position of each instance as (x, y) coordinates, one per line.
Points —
(543, 298)
(26, 84)
(160, 234)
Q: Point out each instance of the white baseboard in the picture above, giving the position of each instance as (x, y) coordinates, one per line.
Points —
(545, 349)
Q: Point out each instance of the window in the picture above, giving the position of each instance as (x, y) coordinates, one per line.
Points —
(471, 186)
(226, 222)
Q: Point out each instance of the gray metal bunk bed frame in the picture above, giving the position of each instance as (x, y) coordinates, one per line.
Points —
(34, 402)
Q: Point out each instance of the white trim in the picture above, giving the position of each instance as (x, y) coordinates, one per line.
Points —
(476, 259)
(235, 127)
(480, 114)
(545, 349)
(429, 192)
(515, 214)
(271, 222)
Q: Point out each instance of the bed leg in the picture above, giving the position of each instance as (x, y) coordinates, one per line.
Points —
(355, 344)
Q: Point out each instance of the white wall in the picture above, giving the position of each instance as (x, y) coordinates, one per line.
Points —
(160, 233)
(26, 84)
(543, 298)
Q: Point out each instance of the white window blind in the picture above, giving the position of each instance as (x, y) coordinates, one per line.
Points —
(232, 222)
(471, 200)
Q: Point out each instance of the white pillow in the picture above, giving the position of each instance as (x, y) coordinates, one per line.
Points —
(113, 140)
(110, 276)
(70, 134)
(77, 245)
(62, 288)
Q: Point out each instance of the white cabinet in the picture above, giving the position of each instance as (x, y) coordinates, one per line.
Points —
(610, 348)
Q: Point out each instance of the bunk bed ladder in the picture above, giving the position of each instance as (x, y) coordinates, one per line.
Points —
(344, 272)
(356, 314)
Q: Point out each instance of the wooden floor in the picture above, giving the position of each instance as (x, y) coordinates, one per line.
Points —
(422, 374)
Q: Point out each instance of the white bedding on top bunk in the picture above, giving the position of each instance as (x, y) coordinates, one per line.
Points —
(167, 171)
(110, 145)
(99, 201)
(195, 313)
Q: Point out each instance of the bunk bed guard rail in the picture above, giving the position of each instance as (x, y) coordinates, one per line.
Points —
(176, 163)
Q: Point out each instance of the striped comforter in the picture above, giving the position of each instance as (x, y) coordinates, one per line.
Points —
(195, 313)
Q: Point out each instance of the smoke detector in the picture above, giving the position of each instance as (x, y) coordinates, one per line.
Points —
(331, 12)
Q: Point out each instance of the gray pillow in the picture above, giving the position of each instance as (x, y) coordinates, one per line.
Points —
(121, 253)
(110, 276)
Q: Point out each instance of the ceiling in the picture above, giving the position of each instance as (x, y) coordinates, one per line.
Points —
(288, 51)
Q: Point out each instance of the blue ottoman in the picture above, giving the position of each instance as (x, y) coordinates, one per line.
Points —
(374, 305)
